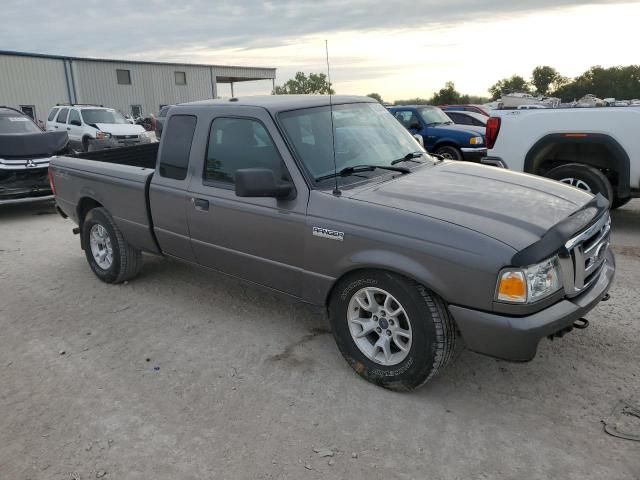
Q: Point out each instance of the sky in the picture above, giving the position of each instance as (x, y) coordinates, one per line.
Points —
(399, 49)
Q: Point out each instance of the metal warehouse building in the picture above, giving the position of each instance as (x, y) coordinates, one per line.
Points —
(34, 82)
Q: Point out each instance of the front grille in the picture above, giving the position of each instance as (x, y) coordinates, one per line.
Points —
(584, 256)
(126, 137)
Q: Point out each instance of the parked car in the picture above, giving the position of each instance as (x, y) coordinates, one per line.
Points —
(594, 149)
(25, 151)
(481, 109)
(439, 134)
(402, 249)
(93, 127)
(162, 116)
(469, 119)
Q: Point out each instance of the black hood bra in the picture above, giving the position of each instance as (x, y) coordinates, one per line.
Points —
(29, 145)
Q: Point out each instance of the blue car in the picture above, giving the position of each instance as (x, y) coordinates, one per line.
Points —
(439, 134)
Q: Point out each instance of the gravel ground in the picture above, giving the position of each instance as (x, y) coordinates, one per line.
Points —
(185, 374)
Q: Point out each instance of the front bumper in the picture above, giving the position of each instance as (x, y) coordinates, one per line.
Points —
(118, 142)
(473, 154)
(517, 338)
(19, 185)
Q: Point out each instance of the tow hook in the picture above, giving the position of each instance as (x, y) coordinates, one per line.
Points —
(581, 323)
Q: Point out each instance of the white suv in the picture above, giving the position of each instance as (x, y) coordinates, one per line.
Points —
(92, 127)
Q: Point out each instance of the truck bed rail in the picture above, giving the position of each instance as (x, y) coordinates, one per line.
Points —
(136, 156)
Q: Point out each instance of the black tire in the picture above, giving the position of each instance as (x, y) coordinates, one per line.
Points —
(449, 152)
(619, 202)
(433, 331)
(127, 260)
(593, 178)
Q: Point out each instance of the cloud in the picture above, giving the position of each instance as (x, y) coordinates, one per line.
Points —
(121, 28)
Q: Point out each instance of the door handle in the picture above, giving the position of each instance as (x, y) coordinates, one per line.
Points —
(55, 126)
(200, 204)
(68, 129)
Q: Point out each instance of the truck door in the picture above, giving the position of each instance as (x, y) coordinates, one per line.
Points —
(256, 239)
(168, 195)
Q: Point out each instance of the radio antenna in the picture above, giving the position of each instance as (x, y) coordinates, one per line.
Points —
(336, 190)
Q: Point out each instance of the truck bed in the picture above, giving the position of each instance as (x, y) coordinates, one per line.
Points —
(118, 179)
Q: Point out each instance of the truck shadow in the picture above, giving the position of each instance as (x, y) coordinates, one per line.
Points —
(21, 210)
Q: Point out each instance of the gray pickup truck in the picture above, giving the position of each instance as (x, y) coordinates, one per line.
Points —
(340, 207)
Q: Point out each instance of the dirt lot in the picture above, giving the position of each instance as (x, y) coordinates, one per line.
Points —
(185, 374)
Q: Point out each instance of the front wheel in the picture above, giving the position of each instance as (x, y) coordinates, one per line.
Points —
(392, 331)
(449, 153)
(110, 257)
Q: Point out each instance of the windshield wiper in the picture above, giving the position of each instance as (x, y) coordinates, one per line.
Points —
(361, 168)
(409, 157)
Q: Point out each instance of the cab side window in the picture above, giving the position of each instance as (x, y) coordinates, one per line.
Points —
(176, 146)
(237, 143)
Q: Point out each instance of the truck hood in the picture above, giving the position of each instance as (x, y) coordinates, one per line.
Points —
(516, 209)
(454, 129)
(120, 128)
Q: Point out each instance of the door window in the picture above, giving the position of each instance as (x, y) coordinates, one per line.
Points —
(237, 143)
(407, 118)
(62, 116)
(74, 118)
(176, 146)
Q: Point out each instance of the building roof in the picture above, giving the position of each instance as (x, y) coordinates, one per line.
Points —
(279, 103)
(112, 60)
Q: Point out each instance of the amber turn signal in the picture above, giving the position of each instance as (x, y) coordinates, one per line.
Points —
(512, 287)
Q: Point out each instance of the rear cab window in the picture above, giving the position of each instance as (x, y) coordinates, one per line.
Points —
(176, 146)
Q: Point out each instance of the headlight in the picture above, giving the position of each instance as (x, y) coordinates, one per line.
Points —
(145, 135)
(476, 141)
(528, 285)
(102, 135)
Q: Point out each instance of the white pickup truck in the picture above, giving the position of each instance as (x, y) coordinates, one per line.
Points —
(595, 149)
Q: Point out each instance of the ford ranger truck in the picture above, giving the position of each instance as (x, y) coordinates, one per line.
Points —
(409, 254)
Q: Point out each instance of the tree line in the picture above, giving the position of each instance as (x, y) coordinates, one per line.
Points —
(621, 82)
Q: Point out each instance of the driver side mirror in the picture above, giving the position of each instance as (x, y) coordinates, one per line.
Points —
(75, 122)
(415, 126)
(261, 182)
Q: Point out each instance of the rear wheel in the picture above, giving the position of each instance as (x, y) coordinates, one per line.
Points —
(110, 257)
(449, 152)
(583, 177)
(392, 331)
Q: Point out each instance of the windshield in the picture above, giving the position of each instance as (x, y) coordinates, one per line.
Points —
(15, 123)
(93, 116)
(434, 116)
(365, 133)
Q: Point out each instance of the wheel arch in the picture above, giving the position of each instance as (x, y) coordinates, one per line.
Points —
(619, 162)
(446, 142)
(85, 205)
(390, 262)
